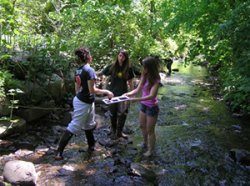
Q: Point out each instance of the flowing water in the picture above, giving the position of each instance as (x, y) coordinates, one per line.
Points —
(196, 133)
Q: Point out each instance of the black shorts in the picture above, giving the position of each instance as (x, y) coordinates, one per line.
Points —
(150, 111)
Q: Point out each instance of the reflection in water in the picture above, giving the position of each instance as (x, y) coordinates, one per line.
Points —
(194, 132)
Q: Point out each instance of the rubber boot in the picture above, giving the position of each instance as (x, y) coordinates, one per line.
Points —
(62, 144)
(90, 139)
(113, 127)
(121, 122)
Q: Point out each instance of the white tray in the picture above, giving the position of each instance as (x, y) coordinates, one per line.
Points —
(116, 100)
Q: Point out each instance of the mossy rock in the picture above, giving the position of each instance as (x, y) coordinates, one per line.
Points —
(7, 127)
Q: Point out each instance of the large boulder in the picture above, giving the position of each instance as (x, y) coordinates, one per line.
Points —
(19, 172)
(36, 112)
(33, 93)
(56, 87)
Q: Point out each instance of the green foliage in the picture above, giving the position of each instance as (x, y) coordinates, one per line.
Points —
(237, 93)
(7, 80)
(236, 74)
(217, 31)
(14, 102)
(2, 93)
(213, 31)
(236, 30)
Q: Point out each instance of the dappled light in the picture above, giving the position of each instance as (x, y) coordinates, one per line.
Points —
(202, 130)
(194, 132)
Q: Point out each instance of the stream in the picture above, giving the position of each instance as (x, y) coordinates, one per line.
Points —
(198, 142)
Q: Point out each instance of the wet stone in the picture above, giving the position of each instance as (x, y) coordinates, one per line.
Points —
(123, 181)
(236, 127)
(25, 145)
(98, 178)
(139, 170)
(241, 156)
(132, 151)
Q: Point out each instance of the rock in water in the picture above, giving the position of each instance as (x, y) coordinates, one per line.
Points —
(19, 172)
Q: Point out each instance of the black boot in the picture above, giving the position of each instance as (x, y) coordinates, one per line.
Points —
(113, 127)
(90, 139)
(62, 144)
(121, 122)
(113, 119)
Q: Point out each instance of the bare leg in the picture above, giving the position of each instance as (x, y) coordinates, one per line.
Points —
(142, 119)
(150, 127)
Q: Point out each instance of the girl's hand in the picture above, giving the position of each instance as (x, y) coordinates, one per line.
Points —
(125, 94)
(110, 94)
(132, 100)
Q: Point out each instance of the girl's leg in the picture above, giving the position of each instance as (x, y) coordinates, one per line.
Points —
(62, 144)
(142, 119)
(113, 120)
(121, 118)
(150, 127)
(89, 130)
(120, 124)
(90, 139)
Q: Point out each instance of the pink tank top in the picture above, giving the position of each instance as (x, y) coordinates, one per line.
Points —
(146, 92)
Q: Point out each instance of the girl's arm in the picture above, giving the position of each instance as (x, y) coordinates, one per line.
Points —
(94, 90)
(99, 73)
(152, 94)
(130, 84)
(77, 84)
(77, 88)
(135, 91)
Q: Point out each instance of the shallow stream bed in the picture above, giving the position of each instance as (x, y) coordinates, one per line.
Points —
(199, 142)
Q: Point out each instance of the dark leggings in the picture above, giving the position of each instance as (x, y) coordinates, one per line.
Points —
(90, 137)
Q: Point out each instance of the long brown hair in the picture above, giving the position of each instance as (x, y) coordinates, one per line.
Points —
(125, 65)
(150, 70)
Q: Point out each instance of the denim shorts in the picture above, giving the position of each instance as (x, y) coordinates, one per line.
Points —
(149, 111)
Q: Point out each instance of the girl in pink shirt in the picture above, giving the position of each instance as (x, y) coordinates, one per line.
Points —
(148, 85)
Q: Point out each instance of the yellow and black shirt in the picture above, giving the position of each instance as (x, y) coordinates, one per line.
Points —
(118, 84)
